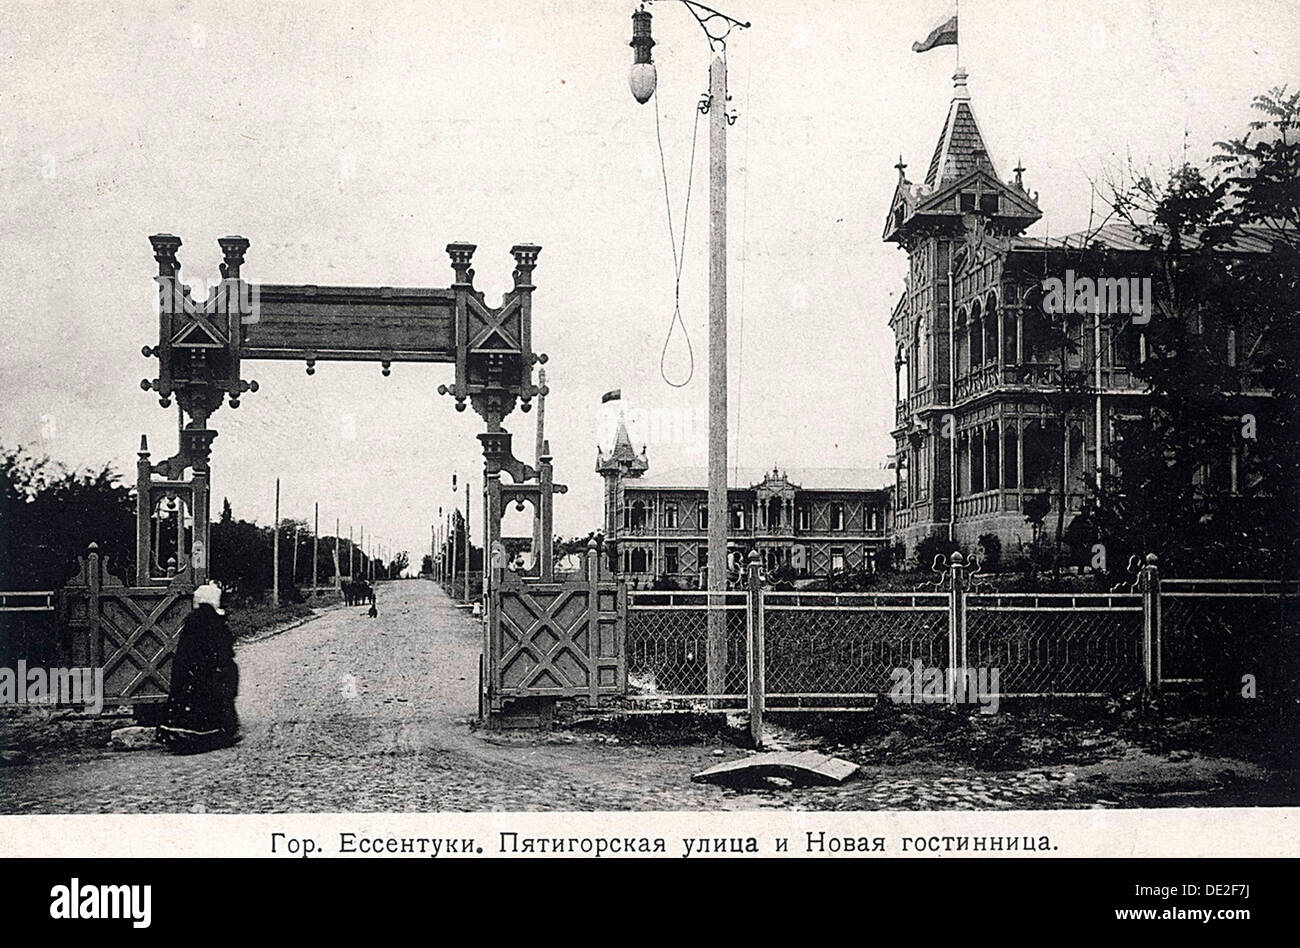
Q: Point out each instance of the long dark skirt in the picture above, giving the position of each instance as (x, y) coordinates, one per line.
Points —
(205, 680)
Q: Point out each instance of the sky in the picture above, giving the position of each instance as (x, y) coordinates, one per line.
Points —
(350, 142)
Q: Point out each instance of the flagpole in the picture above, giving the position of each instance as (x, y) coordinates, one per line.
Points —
(956, 11)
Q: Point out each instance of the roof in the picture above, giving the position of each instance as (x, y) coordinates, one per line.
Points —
(805, 478)
(1123, 236)
(961, 148)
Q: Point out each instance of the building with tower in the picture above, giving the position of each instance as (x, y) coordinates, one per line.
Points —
(803, 523)
(1000, 398)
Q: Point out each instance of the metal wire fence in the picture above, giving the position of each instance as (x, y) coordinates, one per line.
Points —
(821, 646)
(667, 645)
(1221, 630)
(1056, 644)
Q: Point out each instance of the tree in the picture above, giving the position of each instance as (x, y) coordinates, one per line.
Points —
(50, 514)
(1206, 475)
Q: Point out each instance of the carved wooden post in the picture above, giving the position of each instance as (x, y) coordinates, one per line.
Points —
(94, 580)
(142, 514)
(593, 624)
(546, 515)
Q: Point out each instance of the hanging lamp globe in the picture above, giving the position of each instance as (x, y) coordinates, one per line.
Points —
(643, 78)
(642, 81)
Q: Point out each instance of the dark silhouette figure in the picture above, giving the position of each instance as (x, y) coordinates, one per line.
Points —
(373, 611)
(205, 680)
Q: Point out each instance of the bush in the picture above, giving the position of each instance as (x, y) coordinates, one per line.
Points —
(933, 546)
(991, 548)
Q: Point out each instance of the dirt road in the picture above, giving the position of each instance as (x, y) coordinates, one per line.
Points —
(357, 714)
(348, 713)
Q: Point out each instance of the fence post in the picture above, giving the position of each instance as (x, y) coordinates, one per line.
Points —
(593, 624)
(956, 624)
(1149, 584)
(757, 669)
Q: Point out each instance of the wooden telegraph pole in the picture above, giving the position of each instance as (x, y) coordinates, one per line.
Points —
(315, 547)
(717, 27)
(338, 576)
(275, 551)
(293, 575)
(719, 509)
(485, 552)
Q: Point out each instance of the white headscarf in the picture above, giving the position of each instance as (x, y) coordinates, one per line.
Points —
(209, 594)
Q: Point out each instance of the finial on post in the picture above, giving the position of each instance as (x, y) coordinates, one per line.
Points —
(232, 250)
(461, 254)
(959, 90)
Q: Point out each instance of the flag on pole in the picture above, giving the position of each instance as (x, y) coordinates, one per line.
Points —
(945, 34)
(611, 396)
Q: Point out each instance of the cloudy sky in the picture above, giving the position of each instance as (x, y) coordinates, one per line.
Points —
(350, 142)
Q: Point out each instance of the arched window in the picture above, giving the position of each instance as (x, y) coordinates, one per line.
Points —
(920, 357)
(961, 359)
(1010, 457)
(991, 328)
(976, 336)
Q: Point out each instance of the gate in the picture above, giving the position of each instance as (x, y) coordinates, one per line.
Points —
(129, 631)
(555, 640)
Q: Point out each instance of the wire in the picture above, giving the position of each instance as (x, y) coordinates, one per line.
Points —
(679, 259)
(744, 260)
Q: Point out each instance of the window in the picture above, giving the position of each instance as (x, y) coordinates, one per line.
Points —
(702, 557)
(837, 559)
(967, 204)
(989, 203)
(837, 516)
(670, 560)
(738, 516)
(873, 519)
(802, 519)
(704, 516)
(640, 561)
(670, 517)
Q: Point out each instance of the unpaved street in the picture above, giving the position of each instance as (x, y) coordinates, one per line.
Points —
(348, 713)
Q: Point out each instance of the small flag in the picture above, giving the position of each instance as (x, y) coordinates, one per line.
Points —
(945, 34)
(612, 395)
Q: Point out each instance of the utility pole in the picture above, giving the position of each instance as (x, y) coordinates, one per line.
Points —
(485, 552)
(315, 547)
(338, 578)
(719, 510)
(275, 551)
(352, 555)
(642, 80)
(293, 575)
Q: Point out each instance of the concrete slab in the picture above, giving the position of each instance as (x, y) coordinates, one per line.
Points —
(803, 768)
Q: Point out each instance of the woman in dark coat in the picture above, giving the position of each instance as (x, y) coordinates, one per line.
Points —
(205, 679)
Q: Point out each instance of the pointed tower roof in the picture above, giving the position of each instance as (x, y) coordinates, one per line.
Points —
(961, 148)
(624, 457)
(961, 181)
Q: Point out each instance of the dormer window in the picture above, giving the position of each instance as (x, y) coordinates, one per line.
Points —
(966, 203)
(989, 203)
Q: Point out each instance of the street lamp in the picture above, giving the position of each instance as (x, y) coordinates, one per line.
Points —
(717, 27)
(643, 77)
